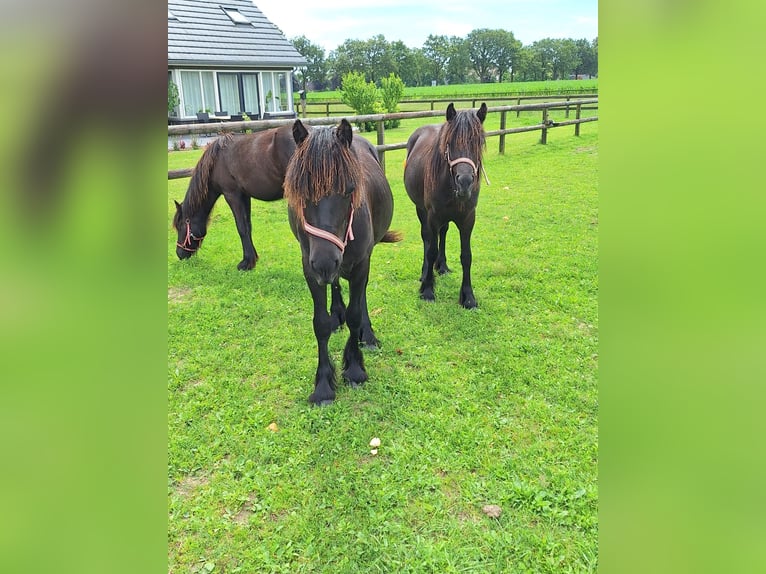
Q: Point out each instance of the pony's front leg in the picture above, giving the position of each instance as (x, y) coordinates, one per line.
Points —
(324, 381)
(467, 298)
(353, 361)
(337, 307)
(240, 207)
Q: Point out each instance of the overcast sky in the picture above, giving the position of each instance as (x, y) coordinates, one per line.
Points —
(329, 23)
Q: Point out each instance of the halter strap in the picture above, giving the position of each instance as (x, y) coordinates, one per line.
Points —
(331, 237)
(188, 238)
(453, 162)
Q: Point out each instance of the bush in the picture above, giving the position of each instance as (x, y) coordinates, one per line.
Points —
(173, 98)
(361, 96)
(391, 91)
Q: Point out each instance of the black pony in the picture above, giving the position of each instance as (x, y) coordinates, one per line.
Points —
(339, 206)
(239, 168)
(441, 176)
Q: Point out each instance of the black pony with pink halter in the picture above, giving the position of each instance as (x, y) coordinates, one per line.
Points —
(339, 207)
(441, 176)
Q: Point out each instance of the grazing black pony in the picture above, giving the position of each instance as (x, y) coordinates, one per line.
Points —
(441, 176)
(339, 206)
(239, 167)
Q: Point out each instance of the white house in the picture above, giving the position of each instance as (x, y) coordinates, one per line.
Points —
(227, 57)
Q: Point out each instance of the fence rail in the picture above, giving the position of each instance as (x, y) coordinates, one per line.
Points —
(380, 119)
(341, 108)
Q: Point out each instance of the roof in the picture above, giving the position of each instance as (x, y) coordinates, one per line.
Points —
(200, 33)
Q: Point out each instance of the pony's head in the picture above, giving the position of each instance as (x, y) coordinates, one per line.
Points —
(191, 230)
(461, 144)
(323, 187)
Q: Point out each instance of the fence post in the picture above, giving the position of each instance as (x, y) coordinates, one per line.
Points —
(518, 103)
(327, 108)
(501, 150)
(577, 116)
(544, 136)
(567, 114)
(381, 141)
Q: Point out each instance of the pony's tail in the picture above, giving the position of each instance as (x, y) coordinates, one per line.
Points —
(392, 237)
(201, 175)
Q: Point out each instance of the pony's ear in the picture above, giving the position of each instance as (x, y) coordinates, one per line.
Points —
(345, 133)
(300, 132)
(482, 113)
(451, 113)
(178, 205)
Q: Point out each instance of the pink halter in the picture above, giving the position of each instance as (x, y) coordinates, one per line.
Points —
(331, 237)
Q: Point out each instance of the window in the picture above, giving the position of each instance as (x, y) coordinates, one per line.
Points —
(198, 92)
(236, 16)
(171, 16)
(277, 93)
(238, 92)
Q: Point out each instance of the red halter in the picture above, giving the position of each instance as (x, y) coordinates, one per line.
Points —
(186, 245)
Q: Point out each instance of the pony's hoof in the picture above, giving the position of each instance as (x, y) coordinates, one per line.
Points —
(427, 296)
(246, 265)
(355, 376)
(320, 402)
(369, 340)
(443, 269)
(469, 304)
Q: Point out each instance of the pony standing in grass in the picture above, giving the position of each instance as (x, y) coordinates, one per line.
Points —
(339, 207)
(441, 176)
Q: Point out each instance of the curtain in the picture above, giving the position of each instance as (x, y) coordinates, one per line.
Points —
(250, 85)
(208, 88)
(191, 93)
(228, 89)
(268, 90)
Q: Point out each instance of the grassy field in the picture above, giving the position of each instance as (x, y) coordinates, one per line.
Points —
(492, 406)
(470, 90)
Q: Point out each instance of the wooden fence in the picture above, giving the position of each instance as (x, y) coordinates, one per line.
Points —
(545, 124)
(335, 107)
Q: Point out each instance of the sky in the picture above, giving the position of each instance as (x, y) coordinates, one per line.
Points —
(328, 23)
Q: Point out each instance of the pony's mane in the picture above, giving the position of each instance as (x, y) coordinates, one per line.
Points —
(197, 192)
(464, 132)
(322, 166)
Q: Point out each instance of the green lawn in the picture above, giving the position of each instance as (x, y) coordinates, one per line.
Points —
(493, 406)
(469, 90)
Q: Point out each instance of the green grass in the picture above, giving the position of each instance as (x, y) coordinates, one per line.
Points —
(493, 406)
(489, 90)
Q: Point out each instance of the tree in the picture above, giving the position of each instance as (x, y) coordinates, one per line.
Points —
(594, 46)
(482, 53)
(566, 59)
(459, 62)
(437, 50)
(409, 63)
(543, 56)
(508, 48)
(315, 71)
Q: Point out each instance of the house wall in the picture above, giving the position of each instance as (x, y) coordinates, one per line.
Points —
(217, 89)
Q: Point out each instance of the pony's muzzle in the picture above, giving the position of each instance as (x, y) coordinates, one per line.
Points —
(464, 183)
(183, 253)
(325, 266)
